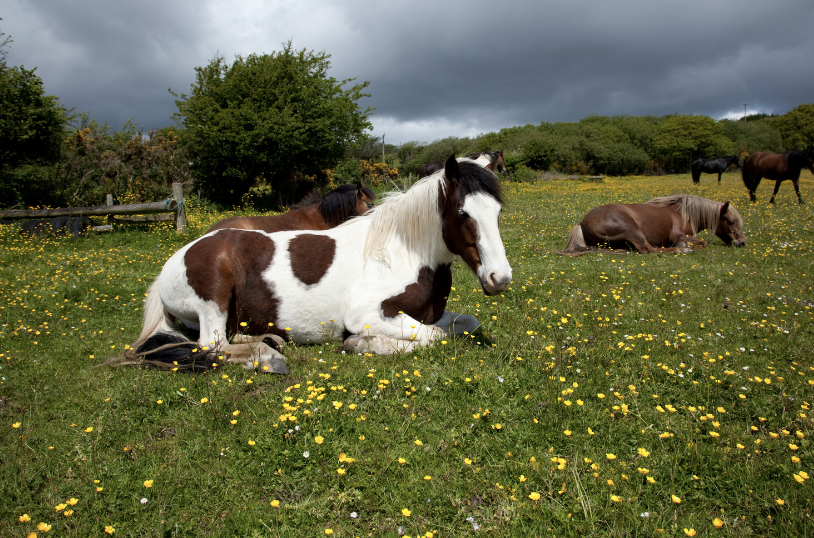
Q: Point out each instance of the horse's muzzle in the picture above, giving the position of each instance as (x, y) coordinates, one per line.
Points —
(495, 283)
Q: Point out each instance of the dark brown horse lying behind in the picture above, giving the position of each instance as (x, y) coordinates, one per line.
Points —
(666, 224)
(313, 213)
(777, 166)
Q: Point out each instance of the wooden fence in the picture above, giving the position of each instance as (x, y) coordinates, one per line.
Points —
(170, 209)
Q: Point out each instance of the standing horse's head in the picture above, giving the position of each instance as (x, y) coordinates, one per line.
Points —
(730, 226)
(499, 165)
(470, 209)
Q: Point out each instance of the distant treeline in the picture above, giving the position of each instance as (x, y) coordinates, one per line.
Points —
(618, 145)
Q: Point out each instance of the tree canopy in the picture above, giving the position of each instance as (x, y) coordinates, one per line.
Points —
(32, 124)
(268, 118)
(797, 127)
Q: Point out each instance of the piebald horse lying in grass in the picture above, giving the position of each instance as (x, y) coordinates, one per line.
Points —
(664, 224)
(379, 282)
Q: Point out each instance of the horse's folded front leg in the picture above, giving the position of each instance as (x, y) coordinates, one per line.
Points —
(694, 242)
(386, 339)
(259, 355)
(378, 345)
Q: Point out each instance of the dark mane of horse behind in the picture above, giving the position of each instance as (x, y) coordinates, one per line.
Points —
(340, 203)
(701, 213)
(475, 178)
(799, 157)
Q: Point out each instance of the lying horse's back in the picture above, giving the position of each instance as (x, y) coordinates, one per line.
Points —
(315, 212)
(619, 225)
(304, 218)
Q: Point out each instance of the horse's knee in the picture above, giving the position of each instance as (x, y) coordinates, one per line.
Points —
(378, 345)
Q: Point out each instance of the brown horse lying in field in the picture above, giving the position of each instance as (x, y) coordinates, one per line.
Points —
(665, 224)
(313, 213)
(777, 166)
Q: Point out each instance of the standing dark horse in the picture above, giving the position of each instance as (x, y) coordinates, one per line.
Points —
(664, 224)
(491, 160)
(777, 166)
(313, 213)
(718, 166)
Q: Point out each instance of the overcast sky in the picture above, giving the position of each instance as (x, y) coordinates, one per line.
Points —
(437, 68)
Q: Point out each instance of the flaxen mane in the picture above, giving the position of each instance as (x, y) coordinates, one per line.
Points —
(700, 213)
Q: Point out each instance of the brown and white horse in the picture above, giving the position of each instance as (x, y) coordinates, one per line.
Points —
(491, 160)
(383, 293)
(776, 166)
(313, 213)
(664, 224)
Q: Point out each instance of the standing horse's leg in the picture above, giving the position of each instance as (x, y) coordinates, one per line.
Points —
(719, 176)
(777, 188)
(796, 183)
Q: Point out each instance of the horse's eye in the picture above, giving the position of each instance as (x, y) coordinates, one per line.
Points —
(370, 205)
(463, 213)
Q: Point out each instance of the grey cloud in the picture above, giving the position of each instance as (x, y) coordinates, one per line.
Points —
(474, 64)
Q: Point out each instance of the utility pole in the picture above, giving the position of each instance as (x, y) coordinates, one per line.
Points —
(744, 111)
(384, 168)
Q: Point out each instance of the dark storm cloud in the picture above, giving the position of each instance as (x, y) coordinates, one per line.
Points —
(438, 68)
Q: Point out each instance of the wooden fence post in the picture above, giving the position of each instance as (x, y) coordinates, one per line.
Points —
(109, 202)
(180, 210)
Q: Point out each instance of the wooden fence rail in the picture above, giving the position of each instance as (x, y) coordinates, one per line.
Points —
(174, 205)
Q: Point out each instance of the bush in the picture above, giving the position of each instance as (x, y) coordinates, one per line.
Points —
(539, 153)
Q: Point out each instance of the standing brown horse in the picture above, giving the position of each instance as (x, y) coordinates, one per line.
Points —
(777, 166)
(665, 224)
(313, 213)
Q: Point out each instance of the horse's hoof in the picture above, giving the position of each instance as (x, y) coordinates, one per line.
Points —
(274, 341)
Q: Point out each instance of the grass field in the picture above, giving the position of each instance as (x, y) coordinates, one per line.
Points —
(605, 395)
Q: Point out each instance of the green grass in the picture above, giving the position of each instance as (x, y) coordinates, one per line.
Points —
(586, 373)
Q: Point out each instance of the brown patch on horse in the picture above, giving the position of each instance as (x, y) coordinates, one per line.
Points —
(424, 299)
(226, 268)
(311, 257)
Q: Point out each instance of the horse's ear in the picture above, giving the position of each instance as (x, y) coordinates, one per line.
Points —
(725, 207)
(451, 170)
(360, 190)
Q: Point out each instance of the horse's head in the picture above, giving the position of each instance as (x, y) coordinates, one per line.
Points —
(364, 199)
(729, 226)
(810, 160)
(470, 210)
(499, 165)
(736, 161)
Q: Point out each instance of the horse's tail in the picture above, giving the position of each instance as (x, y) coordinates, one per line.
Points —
(750, 178)
(160, 346)
(576, 242)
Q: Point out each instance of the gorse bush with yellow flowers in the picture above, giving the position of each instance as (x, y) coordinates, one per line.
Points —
(605, 395)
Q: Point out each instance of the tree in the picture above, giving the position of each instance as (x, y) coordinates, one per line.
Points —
(680, 140)
(797, 127)
(32, 124)
(268, 118)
